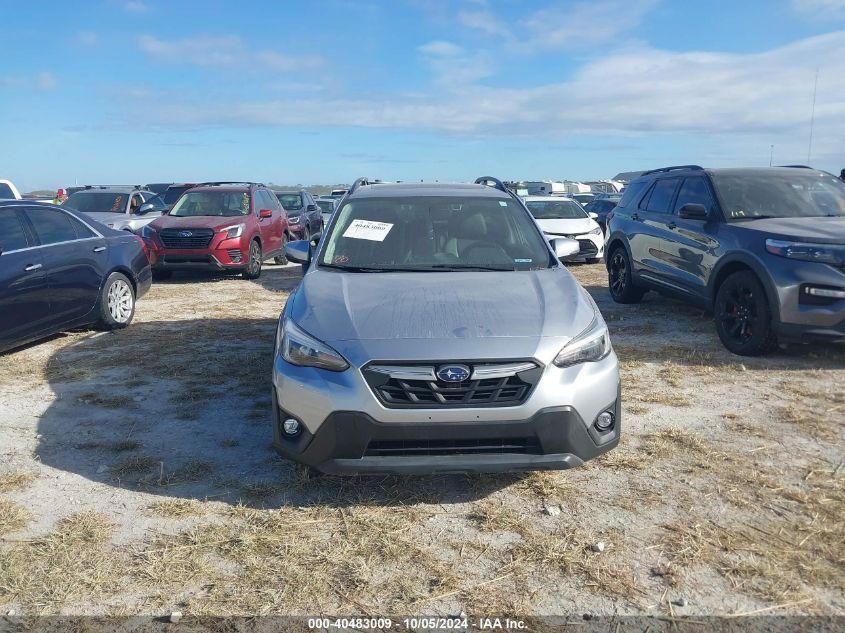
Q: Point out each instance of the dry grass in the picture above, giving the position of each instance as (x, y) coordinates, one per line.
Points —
(13, 516)
(99, 399)
(814, 423)
(176, 508)
(16, 480)
(76, 561)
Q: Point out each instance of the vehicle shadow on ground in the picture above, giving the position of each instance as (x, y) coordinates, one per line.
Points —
(182, 409)
(273, 277)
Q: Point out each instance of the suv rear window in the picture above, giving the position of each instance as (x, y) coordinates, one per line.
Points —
(661, 196)
(631, 192)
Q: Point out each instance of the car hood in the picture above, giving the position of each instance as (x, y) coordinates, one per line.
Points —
(567, 227)
(441, 315)
(215, 222)
(822, 230)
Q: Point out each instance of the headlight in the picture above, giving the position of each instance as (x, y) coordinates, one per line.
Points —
(293, 219)
(233, 231)
(595, 231)
(591, 345)
(147, 231)
(823, 253)
(299, 348)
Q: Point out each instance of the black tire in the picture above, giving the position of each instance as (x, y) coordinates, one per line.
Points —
(743, 315)
(619, 279)
(254, 261)
(281, 259)
(117, 302)
(162, 275)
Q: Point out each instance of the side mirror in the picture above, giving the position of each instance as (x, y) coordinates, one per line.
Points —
(593, 215)
(311, 208)
(298, 251)
(564, 247)
(693, 211)
(265, 213)
(145, 208)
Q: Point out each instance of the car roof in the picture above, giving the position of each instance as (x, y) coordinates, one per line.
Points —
(111, 189)
(402, 190)
(11, 202)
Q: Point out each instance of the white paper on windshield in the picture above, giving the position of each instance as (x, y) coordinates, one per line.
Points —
(368, 230)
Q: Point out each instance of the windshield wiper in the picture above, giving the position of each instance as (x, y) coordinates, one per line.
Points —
(362, 269)
(460, 267)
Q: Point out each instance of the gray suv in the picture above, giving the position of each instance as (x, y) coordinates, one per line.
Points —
(436, 330)
(763, 248)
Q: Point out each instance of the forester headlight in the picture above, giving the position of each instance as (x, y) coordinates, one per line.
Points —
(235, 230)
(808, 252)
(299, 348)
(591, 345)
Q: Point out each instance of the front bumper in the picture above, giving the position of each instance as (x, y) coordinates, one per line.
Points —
(353, 442)
(228, 255)
(799, 320)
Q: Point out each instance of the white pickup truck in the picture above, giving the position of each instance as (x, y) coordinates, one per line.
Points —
(8, 191)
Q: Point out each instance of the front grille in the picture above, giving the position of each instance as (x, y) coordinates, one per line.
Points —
(198, 238)
(587, 247)
(401, 391)
(491, 446)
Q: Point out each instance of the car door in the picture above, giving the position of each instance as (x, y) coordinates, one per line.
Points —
(271, 228)
(692, 243)
(74, 258)
(655, 213)
(24, 293)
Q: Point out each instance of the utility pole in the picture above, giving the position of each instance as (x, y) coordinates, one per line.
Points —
(813, 117)
(771, 155)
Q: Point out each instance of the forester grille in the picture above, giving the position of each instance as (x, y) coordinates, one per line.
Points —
(484, 446)
(399, 390)
(186, 238)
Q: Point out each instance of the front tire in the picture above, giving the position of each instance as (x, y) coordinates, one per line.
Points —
(620, 280)
(117, 302)
(253, 267)
(743, 316)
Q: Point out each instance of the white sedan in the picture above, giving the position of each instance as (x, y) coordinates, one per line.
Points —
(564, 217)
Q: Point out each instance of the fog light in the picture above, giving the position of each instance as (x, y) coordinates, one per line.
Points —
(605, 421)
(291, 427)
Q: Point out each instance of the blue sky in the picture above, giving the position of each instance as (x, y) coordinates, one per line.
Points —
(136, 91)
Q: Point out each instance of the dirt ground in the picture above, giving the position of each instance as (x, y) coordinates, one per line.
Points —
(136, 477)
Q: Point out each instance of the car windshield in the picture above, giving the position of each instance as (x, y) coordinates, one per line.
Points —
(290, 201)
(556, 210)
(212, 203)
(775, 194)
(434, 234)
(172, 194)
(97, 202)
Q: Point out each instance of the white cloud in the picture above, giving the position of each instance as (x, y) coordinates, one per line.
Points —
(45, 81)
(451, 65)
(820, 9)
(760, 98)
(86, 38)
(136, 6)
(222, 51)
(486, 22)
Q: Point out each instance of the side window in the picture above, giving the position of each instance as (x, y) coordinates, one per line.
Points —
(263, 200)
(82, 231)
(631, 192)
(51, 226)
(661, 195)
(12, 236)
(694, 191)
(157, 202)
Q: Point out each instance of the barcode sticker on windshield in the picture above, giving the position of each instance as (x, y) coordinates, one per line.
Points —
(368, 230)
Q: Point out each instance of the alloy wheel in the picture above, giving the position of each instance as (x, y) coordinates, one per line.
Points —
(120, 301)
(618, 273)
(738, 313)
(254, 258)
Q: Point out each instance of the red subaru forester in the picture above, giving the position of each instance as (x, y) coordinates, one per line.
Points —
(219, 226)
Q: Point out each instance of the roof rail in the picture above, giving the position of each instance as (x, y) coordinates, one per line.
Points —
(672, 168)
(360, 182)
(492, 182)
(218, 183)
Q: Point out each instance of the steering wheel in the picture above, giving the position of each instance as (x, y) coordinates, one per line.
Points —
(499, 254)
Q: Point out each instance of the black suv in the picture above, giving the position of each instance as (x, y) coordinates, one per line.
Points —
(763, 249)
(304, 217)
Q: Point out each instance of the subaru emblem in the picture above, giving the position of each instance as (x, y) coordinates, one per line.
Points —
(453, 373)
(185, 234)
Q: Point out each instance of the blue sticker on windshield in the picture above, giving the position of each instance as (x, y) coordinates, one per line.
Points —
(523, 261)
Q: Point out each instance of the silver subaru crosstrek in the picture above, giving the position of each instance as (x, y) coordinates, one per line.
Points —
(435, 330)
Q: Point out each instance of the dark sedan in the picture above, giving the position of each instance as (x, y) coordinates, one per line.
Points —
(61, 270)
